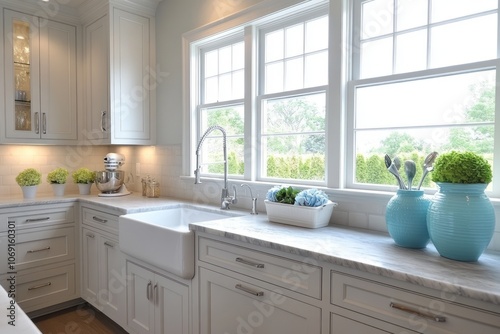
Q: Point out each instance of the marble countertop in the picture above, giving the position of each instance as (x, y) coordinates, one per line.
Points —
(368, 251)
(364, 250)
(121, 204)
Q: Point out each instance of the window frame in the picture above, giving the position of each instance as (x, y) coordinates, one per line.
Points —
(307, 15)
(340, 156)
(354, 82)
(207, 40)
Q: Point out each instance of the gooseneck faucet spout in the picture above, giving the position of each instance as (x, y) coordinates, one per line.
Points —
(226, 199)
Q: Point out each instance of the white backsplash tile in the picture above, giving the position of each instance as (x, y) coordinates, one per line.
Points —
(164, 163)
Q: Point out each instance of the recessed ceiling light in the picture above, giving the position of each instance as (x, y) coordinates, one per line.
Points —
(20, 37)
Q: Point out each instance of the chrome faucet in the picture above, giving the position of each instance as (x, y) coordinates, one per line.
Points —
(226, 199)
(254, 200)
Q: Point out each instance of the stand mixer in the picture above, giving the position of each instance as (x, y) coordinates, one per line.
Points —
(110, 180)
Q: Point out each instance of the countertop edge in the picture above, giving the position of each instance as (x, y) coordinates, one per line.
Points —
(442, 285)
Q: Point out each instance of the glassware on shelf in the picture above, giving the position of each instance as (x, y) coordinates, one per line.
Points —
(23, 117)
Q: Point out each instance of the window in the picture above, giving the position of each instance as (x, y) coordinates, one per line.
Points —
(284, 120)
(423, 80)
(222, 87)
(400, 77)
(293, 71)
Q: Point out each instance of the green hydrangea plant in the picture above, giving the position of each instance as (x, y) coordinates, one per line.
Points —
(29, 177)
(83, 175)
(58, 175)
(461, 167)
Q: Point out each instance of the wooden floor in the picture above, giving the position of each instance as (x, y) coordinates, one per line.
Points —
(82, 319)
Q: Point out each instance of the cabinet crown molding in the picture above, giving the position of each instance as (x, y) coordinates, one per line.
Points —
(142, 7)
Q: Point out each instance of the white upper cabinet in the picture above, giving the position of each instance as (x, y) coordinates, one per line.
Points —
(40, 80)
(119, 60)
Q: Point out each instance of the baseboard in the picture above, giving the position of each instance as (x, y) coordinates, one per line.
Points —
(55, 308)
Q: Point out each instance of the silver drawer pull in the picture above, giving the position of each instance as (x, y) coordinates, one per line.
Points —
(37, 219)
(109, 244)
(249, 263)
(250, 291)
(100, 220)
(148, 290)
(90, 235)
(38, 250)
(420, 314)
(103, 121)
(39, 286)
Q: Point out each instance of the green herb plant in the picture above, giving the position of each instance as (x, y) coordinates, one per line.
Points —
(287, 195)
(83, 175)
(461, 167)
(58, 175)
(29, 177)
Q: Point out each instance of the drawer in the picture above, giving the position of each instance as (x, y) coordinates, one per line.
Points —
(24, 218)
(414, 311)
(44, 288)
(39, 248)
(298, 276)
(101, 220)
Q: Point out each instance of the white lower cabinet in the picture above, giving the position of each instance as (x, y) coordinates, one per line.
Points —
(237, 305)
(104, 281)
(38, 254)
(422, 313)
(104, 277)
(156, 304)
(249, 289)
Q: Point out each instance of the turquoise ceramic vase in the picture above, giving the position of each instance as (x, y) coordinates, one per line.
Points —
(405, 216)
(461, 221)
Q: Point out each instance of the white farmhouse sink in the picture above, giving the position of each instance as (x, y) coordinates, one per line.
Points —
(162, 238)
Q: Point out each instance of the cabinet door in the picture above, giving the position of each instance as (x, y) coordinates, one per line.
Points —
(112, 280)
(97, 80)
(140, 305)
(58, 81)
(131, 115)
(22, 75)
(172, 309)
(229, 305)
(90, 259)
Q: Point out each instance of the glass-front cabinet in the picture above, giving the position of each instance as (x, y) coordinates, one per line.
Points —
(22, 104)
(40, 78)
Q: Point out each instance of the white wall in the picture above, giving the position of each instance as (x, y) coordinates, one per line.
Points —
(173, 19)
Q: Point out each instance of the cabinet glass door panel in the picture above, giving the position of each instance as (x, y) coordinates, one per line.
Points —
(22, 73)
(21, 42)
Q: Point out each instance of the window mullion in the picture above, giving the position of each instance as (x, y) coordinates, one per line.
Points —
(251, 115)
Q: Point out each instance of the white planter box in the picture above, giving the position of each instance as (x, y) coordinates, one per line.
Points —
(303, 216)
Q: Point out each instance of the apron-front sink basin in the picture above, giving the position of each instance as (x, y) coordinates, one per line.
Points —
(162, 238)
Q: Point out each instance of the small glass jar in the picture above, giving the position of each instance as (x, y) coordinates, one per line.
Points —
(153, 189)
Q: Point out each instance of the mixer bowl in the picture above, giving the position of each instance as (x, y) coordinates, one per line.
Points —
(109, 181)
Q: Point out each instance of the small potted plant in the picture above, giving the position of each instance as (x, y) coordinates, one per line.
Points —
(28, 180)
(461, 218)
(84, 178)
(309, 208)
(58, 180)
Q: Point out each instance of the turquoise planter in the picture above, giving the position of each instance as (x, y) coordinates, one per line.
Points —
(461, 221)
(405, 216)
